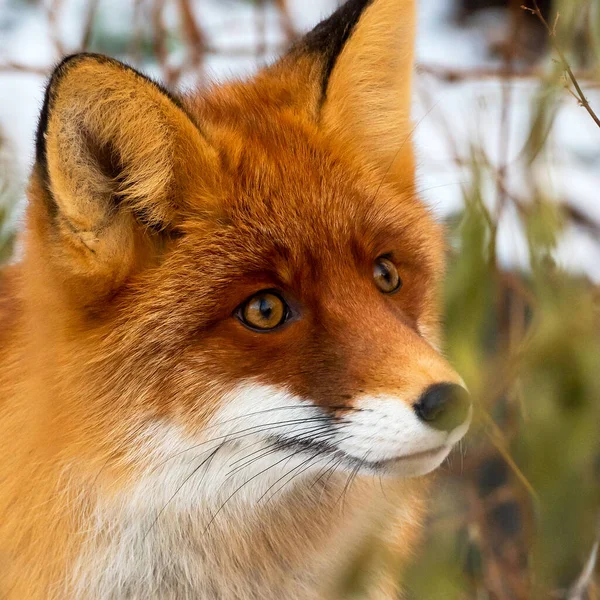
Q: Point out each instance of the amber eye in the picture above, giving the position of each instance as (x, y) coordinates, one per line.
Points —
(386, 276)
(265, 311)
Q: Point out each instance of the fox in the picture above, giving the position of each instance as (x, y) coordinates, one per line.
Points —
(222, 369)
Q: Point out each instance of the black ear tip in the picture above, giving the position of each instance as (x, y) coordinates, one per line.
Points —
(61, 69)
(71, 59)
(57, 74)
(329, 37)
(114, 71)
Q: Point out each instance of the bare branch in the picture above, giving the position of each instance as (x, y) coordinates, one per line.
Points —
(89, 24)
(564, 62)
(457, 75)
(286, 20)
(11, 66)
(53, 12)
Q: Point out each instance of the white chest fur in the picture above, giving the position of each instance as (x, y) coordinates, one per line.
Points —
(195, 525)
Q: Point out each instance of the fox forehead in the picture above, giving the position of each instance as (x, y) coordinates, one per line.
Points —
(289, 198)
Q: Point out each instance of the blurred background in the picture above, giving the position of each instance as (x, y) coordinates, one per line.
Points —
(507, 130)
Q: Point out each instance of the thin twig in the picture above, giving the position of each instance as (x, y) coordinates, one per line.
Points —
(583, 101)
(260, 23)
(11, 66)
(159, 41)
(136, 36)
(52, 13)
(89, 24)
(457, 75)
(197, 41)
(586, 579)
(287, 23)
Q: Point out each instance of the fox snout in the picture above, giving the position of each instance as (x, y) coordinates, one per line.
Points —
(411, 410)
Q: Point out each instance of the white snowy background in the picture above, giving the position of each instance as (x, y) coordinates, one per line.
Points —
(467, 111)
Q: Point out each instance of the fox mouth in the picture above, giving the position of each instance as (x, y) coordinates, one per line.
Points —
(326, 450)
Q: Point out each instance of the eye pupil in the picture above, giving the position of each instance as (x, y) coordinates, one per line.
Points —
(266, 310)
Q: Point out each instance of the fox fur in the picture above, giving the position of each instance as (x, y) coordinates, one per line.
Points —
(151, 445)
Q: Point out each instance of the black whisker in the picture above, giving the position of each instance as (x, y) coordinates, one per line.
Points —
(237, 435)
(196, 469)
(324, 470)
(308, 462)
(320, 430)
(346, 486)
(241, 487)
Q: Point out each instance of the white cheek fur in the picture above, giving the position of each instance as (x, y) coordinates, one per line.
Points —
(235, 451)
(188, 484)
(188, 477)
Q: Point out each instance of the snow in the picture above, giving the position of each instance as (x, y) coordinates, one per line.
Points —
(469, 113)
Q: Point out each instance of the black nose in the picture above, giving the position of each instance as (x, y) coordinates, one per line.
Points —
(444, 406)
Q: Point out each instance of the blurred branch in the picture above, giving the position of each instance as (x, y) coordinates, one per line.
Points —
(22, 68)
(7, 199)
(580, 589)
(136, 35)
(577, 217)
(194, 34)
(579, 95)
(286, 20)
(260, 23)
(458, 75)
(159, 42)
(89, 24)
(53, 12)
(443, 73)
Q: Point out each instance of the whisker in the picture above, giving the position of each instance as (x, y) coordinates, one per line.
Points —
(278, 408)
(277, 443)
(324, 470)
(332, 471)
(322, 415)
(196, 469)
(286, 458)
(237, 435)
(347, 490)
(342, 496)
(307, 462)
(408, 137)
(382, 488)
(274, 450)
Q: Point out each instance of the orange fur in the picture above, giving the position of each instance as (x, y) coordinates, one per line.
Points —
(150, 220)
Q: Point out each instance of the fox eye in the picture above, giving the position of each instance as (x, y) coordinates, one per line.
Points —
(386, 276)
(264, 312)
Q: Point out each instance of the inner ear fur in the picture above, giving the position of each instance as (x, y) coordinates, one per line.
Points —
(356, 68)
(118, 158)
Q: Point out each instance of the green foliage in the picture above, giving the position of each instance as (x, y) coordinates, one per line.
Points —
(551, 374)
(7, 202)
(6, 236)
(528, 345)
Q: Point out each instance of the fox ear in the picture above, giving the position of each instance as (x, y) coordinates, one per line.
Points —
(116, 156)
(361, 63)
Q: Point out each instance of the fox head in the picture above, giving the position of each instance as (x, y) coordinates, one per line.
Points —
(251, 261)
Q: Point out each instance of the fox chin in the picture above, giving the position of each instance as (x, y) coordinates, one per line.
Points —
(220, 366)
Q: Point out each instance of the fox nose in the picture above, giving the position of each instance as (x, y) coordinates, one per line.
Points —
(444, 406)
